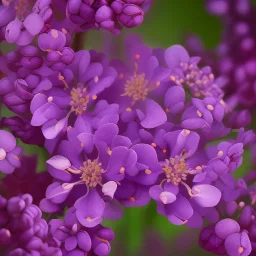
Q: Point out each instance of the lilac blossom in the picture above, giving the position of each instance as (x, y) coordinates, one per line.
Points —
(81, 83)
(108, 15)
(233, 60)
(25, 19)
(53, 43)
(22, 228)
(119, 133)
(107, 161)
(182, 162)
(138, 80)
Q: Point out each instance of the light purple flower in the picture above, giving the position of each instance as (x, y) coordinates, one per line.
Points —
(83, 80)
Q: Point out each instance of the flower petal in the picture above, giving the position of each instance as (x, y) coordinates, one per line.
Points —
(206, 195)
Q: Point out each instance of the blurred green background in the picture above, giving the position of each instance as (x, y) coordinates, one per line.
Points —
(142, 231)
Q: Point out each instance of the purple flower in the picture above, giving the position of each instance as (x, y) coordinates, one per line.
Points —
(138, 80)
(202, 113)
(23, 230)
(111, 16)
(185, 71)
(27, 76)
(58, 56)
(227, 152)
(90, 209)
(84, 80)
(25, 19)
(226, 227)
(231, 189)
(176, 172)
(108, 160)
(75, 238)
(238, 244)
(210, 241)
(9, 153)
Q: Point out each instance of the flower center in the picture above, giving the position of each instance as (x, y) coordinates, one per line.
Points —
(136, 88)
(2, 154)
(80, 100)
(176, 169)
(91, 173)
(200, 82)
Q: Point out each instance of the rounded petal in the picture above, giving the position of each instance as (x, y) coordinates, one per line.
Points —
(226, 227)
(109, 189)
(59, 162)
(13, 30)
(70, 243)
(238, 244)
(206, 195)
(84, 241)
(167, 197)
(7, 141)
(174, 99)
(33, 23)
(155, 192)
(154, 115)
(175, 55)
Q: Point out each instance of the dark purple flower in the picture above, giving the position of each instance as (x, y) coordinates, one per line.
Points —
(25, 179)
(23, 130)
(185, 72)
(211, 242)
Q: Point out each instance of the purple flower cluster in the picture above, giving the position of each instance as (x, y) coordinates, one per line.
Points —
(23, 20)
(110, 15)
(234, 234)
(118, 133)
(234, 58)
(75, 239)
(22, 229)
